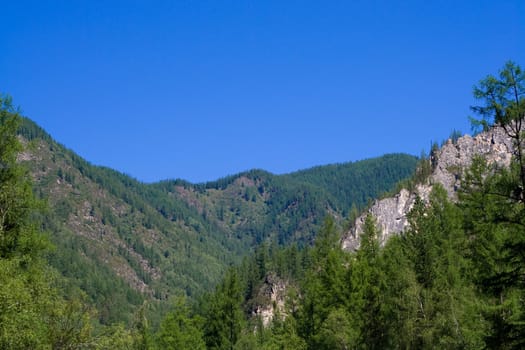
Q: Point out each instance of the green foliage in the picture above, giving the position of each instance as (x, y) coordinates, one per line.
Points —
(17, 234)
(282, 336)
(454, 279)
(495, 221)
(358, 182)
(436, 246)
(504, 105)
(32, 313)
(24, 292)
(436, 285)
(503, 97)
(176, 237)
(21, 311)
(336, 331)
(323, 286)
(454, 136)
(367, 291)
(102, 222)
(401, 295)
(224, 316)
(179, 330)
(423, 169)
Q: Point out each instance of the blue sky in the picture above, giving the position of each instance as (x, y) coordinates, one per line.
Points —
(202, 89)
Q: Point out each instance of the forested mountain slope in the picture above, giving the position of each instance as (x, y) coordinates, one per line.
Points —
(121, 240)
(439, 265)
(289, 208)
(111, 239)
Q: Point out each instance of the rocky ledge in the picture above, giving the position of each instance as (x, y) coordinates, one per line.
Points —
(448, 164)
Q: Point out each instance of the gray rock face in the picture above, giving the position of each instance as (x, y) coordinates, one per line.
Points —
(273, 291)
(449, 164)
(390, 214)
(453, 159)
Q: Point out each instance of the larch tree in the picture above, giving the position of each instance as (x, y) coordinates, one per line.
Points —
(504, 105)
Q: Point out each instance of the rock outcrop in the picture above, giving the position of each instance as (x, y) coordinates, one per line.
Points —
(448, 166)
(273, 292)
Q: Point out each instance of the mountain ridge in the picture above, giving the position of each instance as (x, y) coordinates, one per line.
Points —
(156, 240)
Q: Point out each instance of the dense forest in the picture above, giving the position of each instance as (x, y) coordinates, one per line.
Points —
(123, 242)
(453, 279)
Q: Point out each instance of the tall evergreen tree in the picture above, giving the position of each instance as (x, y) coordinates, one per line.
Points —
(504, 105)
(224, 317)
(495, 222)
(324, 284)
(179, 330)
(449, 308)
(401, 295)
(368, 285)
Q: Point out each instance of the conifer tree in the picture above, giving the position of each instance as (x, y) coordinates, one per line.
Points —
(179, 330)
(224, 317)
(324, 284)
(504, 105)
(448, 313)
(368, 285)
(401, 295)
(495, 223)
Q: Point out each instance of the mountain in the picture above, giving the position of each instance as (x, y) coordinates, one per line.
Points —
(439, 262)
(289, 208)
(121, 241)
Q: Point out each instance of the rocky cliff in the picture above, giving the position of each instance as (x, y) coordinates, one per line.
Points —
(448, 166)
(273, 291)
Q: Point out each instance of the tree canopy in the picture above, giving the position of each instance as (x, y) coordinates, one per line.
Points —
(504, 105)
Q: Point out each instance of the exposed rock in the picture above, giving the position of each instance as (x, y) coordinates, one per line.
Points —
(454, 158)
(449, 164)
(273, 291)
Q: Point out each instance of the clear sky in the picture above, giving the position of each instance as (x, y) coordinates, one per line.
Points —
(202, 89)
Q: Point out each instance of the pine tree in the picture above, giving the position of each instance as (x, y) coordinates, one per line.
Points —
(324, 284)
(495, 221)
(179, 330)
(368, 284)
(224, 317)
(448, 314)
(401, 295)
